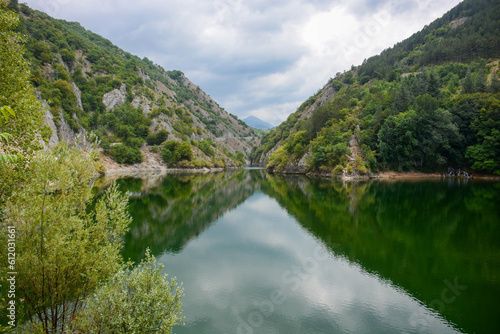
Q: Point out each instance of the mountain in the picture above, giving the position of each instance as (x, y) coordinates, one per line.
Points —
(429, 103)
(132, 105)
(257, 123)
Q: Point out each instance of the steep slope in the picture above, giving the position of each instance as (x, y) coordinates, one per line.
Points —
(429, 103)
(89, 84)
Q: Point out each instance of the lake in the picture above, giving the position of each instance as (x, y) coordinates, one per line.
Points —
(264, 253)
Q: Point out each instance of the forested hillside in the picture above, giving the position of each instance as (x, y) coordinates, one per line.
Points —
(131, 104)
(429, 103)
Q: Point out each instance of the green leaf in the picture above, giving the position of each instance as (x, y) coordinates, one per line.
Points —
(6, 111)
(5, 137)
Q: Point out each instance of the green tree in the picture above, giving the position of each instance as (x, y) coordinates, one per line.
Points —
(184, 152)
(278, 160)
(403, 99)
(18, 98)
(480, 83)
(494, 86)
(397, 141)
(67, 56)
(124, 154)
(330, 148)
(421, 138)
(157, 138)
(168, 150)
(433, 84)
(468, 83)
(64, 250)
(136, 300)
(206, 146)
(5, 113)
(240, 158)
(485, 155)
(16, 90)
(174, 151)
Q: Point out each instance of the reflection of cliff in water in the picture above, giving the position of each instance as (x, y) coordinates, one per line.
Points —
(171, 210)
(422, 236)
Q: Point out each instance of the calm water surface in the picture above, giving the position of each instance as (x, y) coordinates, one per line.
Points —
(260, 253)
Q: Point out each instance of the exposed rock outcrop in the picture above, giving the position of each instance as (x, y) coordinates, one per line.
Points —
(78, 95)
(141, 102)
(298, 167)
(65, 132)
(49, 120)
(115, 98)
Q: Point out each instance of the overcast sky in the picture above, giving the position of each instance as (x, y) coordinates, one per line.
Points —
(254, 57)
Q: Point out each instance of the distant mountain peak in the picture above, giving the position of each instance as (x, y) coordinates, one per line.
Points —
(257, 123)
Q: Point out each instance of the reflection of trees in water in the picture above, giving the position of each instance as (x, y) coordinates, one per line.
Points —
(415, 234)
(170, 210)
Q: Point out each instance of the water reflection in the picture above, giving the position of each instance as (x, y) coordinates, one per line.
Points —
(173, 209)
(432, 238)
(260, 253)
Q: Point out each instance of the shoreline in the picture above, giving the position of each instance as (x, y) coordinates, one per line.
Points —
(392, 175)
(151, 164)
(386, 175)
(162, 170)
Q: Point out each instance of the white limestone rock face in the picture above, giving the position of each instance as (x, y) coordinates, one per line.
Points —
(142, 102)
(78, 95)
(65, 132)
(115, 98)
(49, 120)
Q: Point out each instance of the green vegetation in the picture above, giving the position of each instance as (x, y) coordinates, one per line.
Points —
(238, 159)
(125, 154)
(207, 146)
(176, 154)
(157, 138)
(66, 244)
(20, 112)
(142, 292)
(6, 112)
(72, 251)
(68, 62)
(426, 104)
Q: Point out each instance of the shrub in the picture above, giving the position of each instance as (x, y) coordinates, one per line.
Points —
(338, 170)
(157, 138)
(137, 300)
(205, 145)
(125, 155)
(360, 166)
(134, 142)
(67, 56)
(219, 163)
(278, 160)
(174, 152)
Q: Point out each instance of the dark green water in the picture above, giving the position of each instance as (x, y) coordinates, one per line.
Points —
(261, 253)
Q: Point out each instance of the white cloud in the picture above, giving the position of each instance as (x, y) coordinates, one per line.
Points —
(260, 58)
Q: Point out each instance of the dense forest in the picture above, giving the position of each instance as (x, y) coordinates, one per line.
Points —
(429, 103)
(93, 86)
